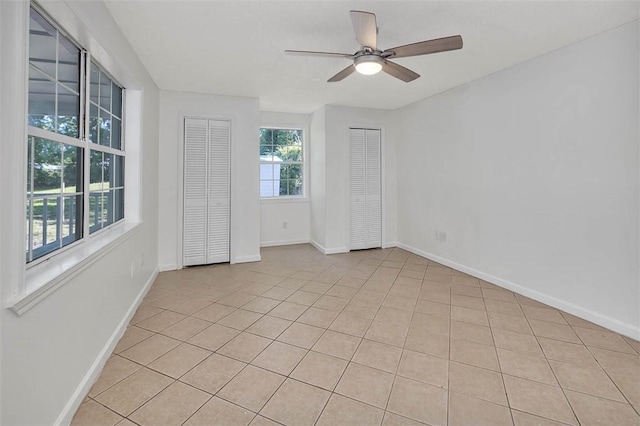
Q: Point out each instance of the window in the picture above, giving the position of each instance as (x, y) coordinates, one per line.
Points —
(281, 163)
(74, 166)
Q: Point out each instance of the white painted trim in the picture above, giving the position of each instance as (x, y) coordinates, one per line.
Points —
(92, 375)
(284, 200)
(332, 250)
(47, 277)
(627, 329)
(336, 250)
(284, 242)
(317, 245)
(168, 267)
(246, 259)
(389, 244)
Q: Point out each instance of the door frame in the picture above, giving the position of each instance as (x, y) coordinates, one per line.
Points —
(180, 187)
(383, 180)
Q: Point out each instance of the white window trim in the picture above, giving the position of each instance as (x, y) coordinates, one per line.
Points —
(52, 273)
(285, 199)
(305, 187)
(34, 283)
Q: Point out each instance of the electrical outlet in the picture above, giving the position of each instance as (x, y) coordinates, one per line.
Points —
(441, 236)
(284, 225)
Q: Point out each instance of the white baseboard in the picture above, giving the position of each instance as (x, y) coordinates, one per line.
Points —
(284, 242)
(92, 375)
(389, 245)
(336, 250)
(168, 267)
(246, 259)
(317, 245)
(332, 250)
(618, 326)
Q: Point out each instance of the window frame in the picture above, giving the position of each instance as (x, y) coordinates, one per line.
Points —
(87, 61)
(303, 164)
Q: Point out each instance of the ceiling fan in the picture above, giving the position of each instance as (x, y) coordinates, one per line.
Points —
(370, 60)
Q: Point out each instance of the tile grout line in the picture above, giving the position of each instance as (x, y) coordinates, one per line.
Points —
(233, 276)
(575, 416)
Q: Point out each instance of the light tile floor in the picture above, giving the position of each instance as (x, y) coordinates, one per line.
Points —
(364, 338)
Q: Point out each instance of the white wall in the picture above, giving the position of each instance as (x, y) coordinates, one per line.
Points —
(317, 173)
(244, 114)
(533, 174)
(51, 353)
(338, 120)
(287, 221)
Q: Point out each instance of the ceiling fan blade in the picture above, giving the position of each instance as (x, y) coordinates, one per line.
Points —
(343, 74)
(398, 71)
(425, 47)
(365, 27)
(313, 53)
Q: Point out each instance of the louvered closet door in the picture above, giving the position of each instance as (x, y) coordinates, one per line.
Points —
(195, 192)
(357, 189)
(218, 232)
(373, 216)
(365, 219)
(206, 191)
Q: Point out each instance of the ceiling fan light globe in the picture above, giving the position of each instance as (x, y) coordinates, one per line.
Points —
(369, 64)
(368, 68)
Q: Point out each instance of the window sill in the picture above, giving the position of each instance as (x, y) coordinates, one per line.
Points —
(43, 279)
(278, 200)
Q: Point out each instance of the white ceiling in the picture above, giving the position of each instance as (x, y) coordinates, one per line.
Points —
(236, 47)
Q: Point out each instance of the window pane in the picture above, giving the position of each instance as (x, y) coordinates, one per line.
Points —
(42, 101)
(290, 152)
(72, 158)
(107, 163)
(94, 124)
(118, 173)
(267, 188)
(266, 171)
(266, 136)
(105, 128)
(27, 230)
(102, 216)
(69, 64)
(266, 152)
(29, 164)
(68, 112)
(55, 218)
(291, 180)
(119, 204)
(47, 166)
(95, 170)
(116, 101)
(108, 207)
(42, 44)
(95, 204)
(54, 79)
(94, 83)
(116, 130)
(105, 91)
(72, 222)
(45, 229)
(37, 231)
